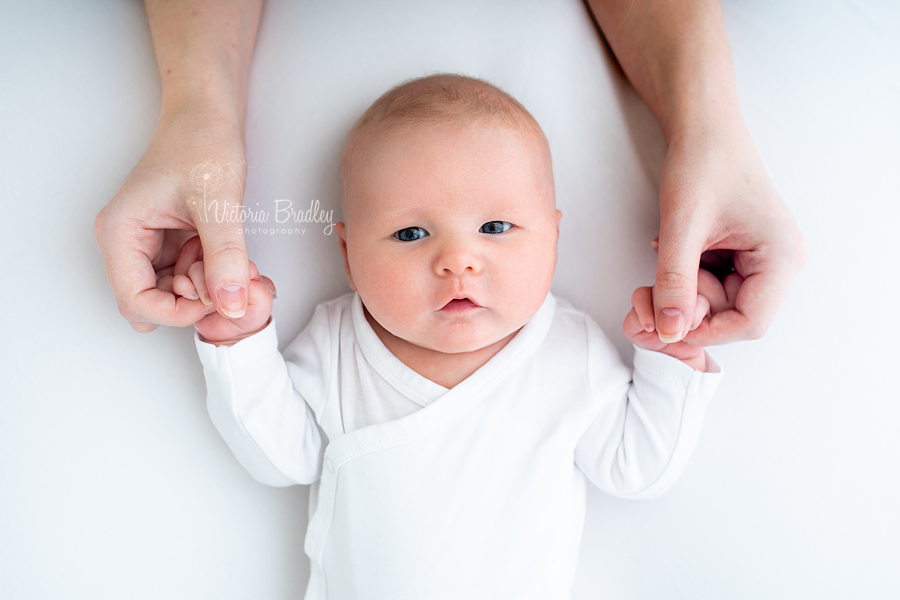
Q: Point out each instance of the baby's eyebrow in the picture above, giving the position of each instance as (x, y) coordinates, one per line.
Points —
(411, 212)
(396, 211)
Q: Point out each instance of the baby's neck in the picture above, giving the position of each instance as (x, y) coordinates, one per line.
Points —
(444, 369)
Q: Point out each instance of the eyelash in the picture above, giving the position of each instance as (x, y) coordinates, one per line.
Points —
(398, 234)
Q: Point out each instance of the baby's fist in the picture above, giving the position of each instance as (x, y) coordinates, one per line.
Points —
(640, 329)
(189, 282)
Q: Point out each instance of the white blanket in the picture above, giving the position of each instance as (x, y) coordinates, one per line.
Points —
(114, 482)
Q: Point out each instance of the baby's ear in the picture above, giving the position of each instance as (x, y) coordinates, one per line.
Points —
(341, 230)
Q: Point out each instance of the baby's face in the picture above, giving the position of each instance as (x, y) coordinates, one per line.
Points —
(451, 233)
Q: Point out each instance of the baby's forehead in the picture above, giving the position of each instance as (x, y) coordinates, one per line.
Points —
(417, 133)
(435, 143)
(411, 159)
(379, 133)
(410, 114)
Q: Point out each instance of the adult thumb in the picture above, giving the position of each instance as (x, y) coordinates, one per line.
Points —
(226, 267)
(675, 288)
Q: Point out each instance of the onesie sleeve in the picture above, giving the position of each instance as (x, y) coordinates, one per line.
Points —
(646, 422)
(253, 403)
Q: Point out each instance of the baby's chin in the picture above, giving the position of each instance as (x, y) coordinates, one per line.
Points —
(462, 344)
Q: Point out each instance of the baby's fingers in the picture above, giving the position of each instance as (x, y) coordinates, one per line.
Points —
(255, 276)
(254, 272)
(632, 325)
(638, 335)
(197, 281)
(269, 284)
(642, 301)
(182, 286)
(639, 326)
(701, 310)
(191, 253)
(259, 300)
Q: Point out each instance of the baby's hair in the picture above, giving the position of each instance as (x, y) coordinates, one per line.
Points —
(443, 98)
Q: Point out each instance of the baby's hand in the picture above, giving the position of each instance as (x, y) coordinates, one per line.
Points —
(188, 281)
(712, 297)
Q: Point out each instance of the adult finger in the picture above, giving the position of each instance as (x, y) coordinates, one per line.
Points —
(224, 255)
(712, 289)
(173, 310)
(127, 247)
(732, 285)
(767, 273)
(675, 288)
(191, 252)
(165, 283)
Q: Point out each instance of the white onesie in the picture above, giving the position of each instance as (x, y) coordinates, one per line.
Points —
(420, 492)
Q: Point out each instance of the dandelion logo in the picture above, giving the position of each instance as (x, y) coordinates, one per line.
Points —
(206, 179)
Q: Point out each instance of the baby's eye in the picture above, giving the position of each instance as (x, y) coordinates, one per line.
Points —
(410, 234)
(495, 227)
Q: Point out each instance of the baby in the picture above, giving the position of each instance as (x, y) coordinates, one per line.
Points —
(450, 410)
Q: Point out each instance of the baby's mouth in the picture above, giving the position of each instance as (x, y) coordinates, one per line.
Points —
(459, 305)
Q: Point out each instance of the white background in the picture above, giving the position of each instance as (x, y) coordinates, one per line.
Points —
(113, 481)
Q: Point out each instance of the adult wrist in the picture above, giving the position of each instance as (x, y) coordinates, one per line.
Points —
(218, 108)
(203, 52)
(704, 118)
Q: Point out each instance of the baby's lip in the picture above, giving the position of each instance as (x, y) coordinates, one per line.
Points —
(461, 302)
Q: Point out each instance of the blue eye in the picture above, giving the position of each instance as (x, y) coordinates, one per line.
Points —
(495, 227)
(410, 234)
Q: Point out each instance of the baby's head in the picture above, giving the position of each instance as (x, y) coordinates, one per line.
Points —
(450, 221)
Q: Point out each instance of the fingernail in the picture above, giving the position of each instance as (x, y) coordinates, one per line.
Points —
(649, 327)
(654, 244)
(670, 325)
(232, 301)
(193, 295)
(207, 301)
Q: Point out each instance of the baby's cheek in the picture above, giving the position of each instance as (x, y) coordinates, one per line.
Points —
(387, 293)
(525, 279)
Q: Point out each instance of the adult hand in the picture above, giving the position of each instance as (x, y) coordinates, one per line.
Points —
(194, 167)
(715, 194)
(714, 191)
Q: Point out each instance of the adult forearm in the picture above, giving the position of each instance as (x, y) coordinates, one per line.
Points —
(676, 56)
(203, 50)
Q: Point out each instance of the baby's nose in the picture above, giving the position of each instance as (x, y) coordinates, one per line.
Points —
(458, 257)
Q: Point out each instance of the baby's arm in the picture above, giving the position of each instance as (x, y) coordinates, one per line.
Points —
(648, 419)
(266, 421)
(189, 282)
